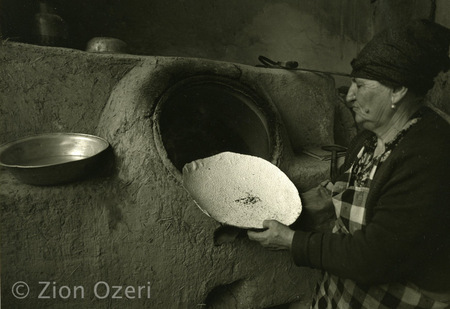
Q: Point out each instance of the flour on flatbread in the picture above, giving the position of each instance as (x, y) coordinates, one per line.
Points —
(242, 190)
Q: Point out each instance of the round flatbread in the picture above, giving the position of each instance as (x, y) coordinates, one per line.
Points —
(242, 190)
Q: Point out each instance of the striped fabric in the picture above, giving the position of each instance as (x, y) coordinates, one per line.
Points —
(349, 198)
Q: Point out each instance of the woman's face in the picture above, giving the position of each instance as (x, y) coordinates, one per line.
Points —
(371, 103)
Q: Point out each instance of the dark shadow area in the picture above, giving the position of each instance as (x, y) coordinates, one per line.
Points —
(283, 306)
(84, 19)
(201, 120)
(223, 296)
(227, 234)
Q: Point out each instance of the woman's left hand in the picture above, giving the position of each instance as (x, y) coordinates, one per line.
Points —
(277, 236)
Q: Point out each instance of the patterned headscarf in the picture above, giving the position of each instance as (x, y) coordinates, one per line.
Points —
(410, 55)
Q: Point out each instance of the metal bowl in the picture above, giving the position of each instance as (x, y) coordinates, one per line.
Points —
(53, 158)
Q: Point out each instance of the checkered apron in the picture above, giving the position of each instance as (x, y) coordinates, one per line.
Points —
(349, 198)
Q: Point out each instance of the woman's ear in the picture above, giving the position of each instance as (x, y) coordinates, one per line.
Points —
(398, 93)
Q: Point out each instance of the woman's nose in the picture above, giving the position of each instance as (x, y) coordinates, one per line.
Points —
(351, 95)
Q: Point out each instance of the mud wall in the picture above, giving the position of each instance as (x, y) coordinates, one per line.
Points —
(54, 90)
(133, 225)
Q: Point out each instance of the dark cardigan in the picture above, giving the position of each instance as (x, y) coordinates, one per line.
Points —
(407, 236)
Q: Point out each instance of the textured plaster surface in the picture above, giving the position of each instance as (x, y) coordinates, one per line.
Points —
(132, 234)
(133, 224)
(439, 97)
(54, 89)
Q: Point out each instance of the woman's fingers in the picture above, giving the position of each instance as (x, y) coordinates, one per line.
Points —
(256, 236)
(277, 236)
(270, 224)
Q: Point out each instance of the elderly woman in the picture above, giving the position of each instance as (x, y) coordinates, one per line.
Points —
(390, 244)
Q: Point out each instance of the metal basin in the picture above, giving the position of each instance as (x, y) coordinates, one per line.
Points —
(53, 158)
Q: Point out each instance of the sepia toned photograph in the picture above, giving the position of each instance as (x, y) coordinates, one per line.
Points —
(225, 154)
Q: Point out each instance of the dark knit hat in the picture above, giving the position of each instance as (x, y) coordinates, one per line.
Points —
(410, 55)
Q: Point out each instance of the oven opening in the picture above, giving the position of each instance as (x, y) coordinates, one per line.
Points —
(203, 118)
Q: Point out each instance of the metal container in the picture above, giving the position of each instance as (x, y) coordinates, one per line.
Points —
(53, 158)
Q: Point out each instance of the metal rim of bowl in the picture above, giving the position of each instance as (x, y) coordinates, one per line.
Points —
(7, 145)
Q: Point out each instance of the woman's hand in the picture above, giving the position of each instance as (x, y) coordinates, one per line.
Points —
(277, 236)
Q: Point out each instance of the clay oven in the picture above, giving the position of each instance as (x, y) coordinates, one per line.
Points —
(135, 225)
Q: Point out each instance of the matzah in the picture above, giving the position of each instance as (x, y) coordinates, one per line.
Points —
(242, 190)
